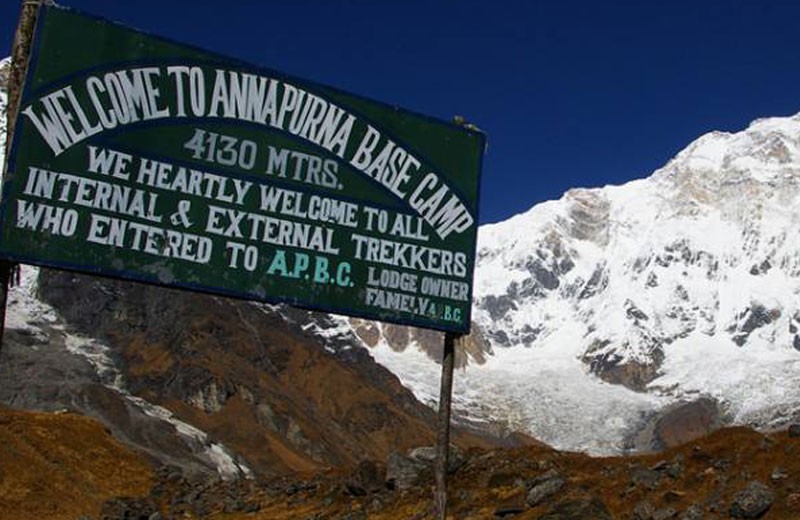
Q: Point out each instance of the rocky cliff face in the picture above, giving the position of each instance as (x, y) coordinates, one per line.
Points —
(265, 389)
(472, 350)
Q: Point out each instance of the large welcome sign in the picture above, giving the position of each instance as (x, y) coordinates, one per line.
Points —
(140, 158)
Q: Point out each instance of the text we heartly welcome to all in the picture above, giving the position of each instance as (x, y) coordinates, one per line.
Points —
(163, 209)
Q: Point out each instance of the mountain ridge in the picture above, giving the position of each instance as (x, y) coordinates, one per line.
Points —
(638, 285)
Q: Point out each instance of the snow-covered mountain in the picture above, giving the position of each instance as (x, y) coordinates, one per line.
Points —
(611, 304)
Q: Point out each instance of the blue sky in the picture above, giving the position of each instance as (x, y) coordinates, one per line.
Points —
(571, 94)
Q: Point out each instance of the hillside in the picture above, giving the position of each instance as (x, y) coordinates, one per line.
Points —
(59, 466)
(62, 465)
(210, 384)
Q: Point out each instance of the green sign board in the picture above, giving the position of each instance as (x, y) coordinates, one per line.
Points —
(140, 158)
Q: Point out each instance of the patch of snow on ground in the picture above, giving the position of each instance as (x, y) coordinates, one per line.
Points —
(226, 465)
(24, 311)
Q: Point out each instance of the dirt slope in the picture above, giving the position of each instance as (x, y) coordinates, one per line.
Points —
(62, 466)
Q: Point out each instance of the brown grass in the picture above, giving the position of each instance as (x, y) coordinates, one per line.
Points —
(62, 466)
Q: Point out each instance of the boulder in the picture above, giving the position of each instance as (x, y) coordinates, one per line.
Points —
(404, 472)
(129, 508)
(643, 511)
(695, 512)
(752, 501)
(588, 508)
(366, 479)
(544, 490)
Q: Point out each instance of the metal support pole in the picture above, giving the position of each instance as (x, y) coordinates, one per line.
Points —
(20, 52)
(443, 444)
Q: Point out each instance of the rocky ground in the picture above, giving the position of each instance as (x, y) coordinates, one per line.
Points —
(64, 465)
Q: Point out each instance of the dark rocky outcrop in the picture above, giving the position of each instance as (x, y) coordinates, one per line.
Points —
(687, 422)
(472, 349)
(750, 319)
(605, 362)
(498, 306)
(406, 471)
(403, 472)
(544, 487)
(752, 501)
(678, 424)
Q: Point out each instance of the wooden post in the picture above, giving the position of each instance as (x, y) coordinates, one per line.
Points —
(443, 444)
(20, 52)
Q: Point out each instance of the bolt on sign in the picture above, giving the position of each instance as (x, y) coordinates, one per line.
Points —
(140, 158)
